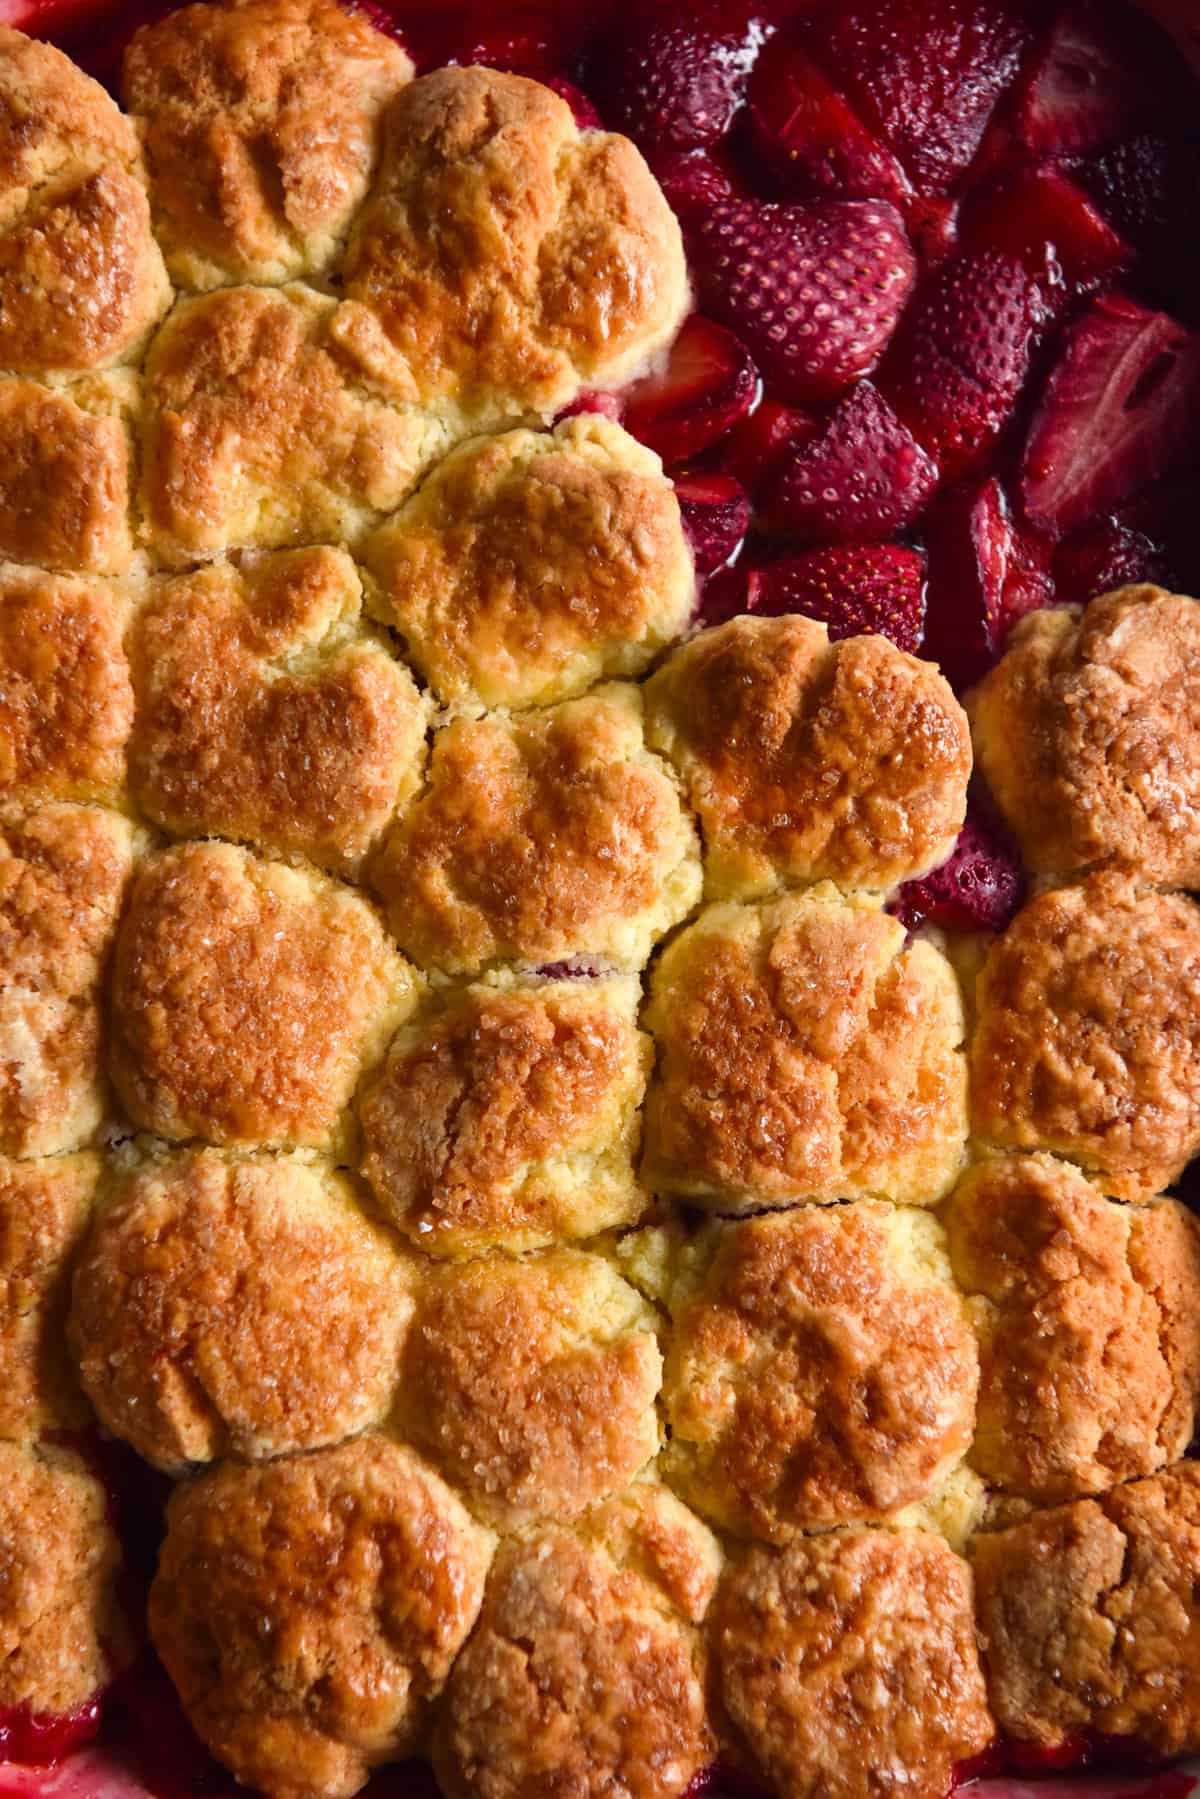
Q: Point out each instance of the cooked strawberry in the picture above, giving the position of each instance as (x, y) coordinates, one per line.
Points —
(609, 406)
(1143, 186)
(708, 383)
(815, 291)
(716, 517)
(530, 39)
(585, 114)
(758, 448)
(962, 355)
(851, 588)
(673, 75)
(1079, 91)
(810, 137)
(979, 887)
(922, 75)
(985, 573)
(863, 476)
(1048, 223)
(1108, 555)
(694, 181)
(1122, 401)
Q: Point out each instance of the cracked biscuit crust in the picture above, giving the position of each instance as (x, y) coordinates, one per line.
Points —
(308, 1611)
(532, 1383)
(1089, 1321)
(540, 837)
(65, 473)
(805, 1052)
(530, 565)
(851, 1652)
(44, 1211)
(1088, 731)
(820, 1368)
(259, 122)
(237, 1308)
(1087, 1039)
(504, 260)
(248, 998)
(809, 761)
(507, 1116)
(1089, 1616)
(267, 714)
(81, 278)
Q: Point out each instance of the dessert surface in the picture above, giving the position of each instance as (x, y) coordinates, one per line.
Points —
(599, 961)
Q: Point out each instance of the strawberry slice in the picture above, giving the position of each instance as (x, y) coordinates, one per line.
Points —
(759, 447)
(863, 476)
(815, 291)
(923, 75)
(1080, 89)
(1109, 555)
(1046, 222)
(960, 360)
(716, 517)
(810, 137)
(672, 75)
(1122, 402)
(708, 384)
(980, 886)
(851, 588)
(984, 574)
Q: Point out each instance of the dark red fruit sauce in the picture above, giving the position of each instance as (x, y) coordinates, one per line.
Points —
(1030, 436)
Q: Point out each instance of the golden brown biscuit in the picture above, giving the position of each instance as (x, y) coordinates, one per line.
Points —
(309, 1610)
(508, 1116)
(1087, 1039)
(66, 700)
(1088, 731)
(1089, 1619)
(1089, 1321)
(65, 473)
(239, 1308)
(63, 874)
(809, 761)
(44, 1211)
(81, 278)
(848, 1664)
(530, 565)
(259, 431)
(259, 122)
(550, 835)
(248, 998)
(266, 714)
(532, 1383)
(62, 1635)
(805, 1052)
(504, 260)
(820, 1369)
(583, 1676)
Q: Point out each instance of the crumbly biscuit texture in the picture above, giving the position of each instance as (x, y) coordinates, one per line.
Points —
(504, 259)
(248, 999)
(309, 1610)
(63, 874)
(62, 1633)
(820, 1369)
(848, 1663)
(809, 761)
(508, 1116)
(81, 278)
(1087, 1040)
(530, 565)
(532, 1383)
(259, 430)
(1089, 1619)
(259, 120)
(266, 713)
(65, 473)
(1088, 731)
(546, 836)
(45, 1207)
(242, 1308)
(1089, 1320)
(805, 1052)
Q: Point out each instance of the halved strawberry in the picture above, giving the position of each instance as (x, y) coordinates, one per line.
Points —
(1046, 222)
(810, 137)
(922, 75)
(1108, 555)
(863, 476)
(709, 382)
(716, 517)
(985, 573)
(1143, 186)
(672, 75)
(1121, 403)
(961, 357)
(1080, 90)
(759, 447)
(815, 291)
(851, 588)
(980, 886)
